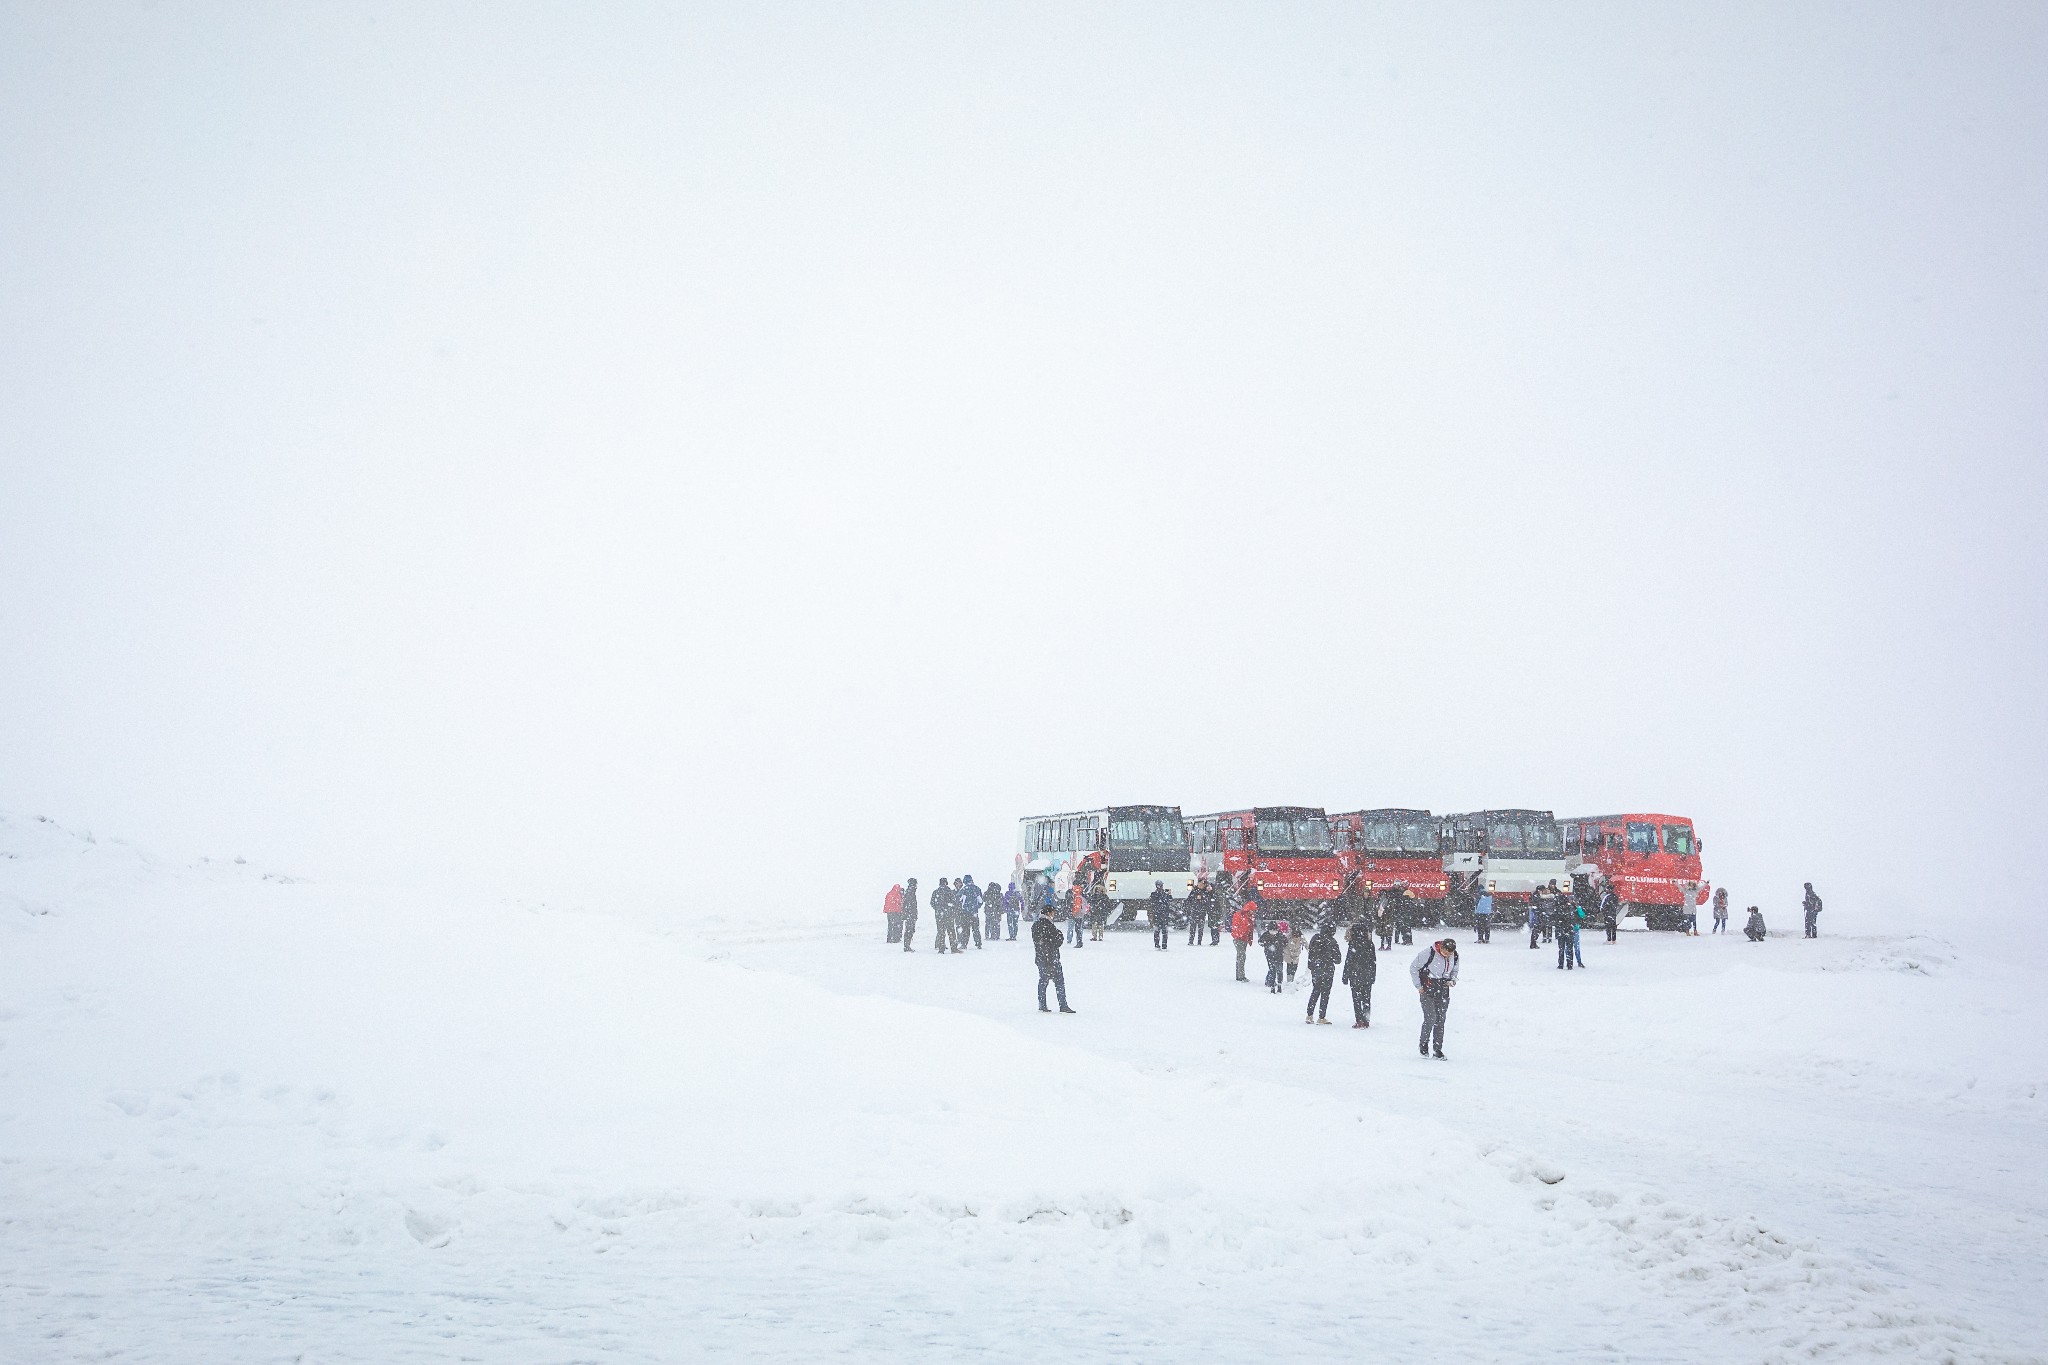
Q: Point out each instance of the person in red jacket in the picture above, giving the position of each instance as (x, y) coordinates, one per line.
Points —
(892, 911)
(1241, 925)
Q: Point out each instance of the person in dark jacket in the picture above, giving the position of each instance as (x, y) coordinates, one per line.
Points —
(1361, 966)
(992, 911)
(1274, 941)
(1201, 905)
(1404, 916)
(1160, 912)
(970, 912)
(1754, 931)
(1045, 947)
(942, 916)
(1323, 955)
(1812, 908)
(1013, 908)
(1535, 919)
(1610, 910)
(1383, 917)
(909, 912)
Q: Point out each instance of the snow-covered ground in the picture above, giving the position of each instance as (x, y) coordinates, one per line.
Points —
(250, 1119)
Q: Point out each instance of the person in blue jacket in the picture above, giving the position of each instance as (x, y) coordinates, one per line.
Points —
(1013, 908)
(1482, 916)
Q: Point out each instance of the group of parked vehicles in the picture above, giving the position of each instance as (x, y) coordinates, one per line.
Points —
(1304, 856)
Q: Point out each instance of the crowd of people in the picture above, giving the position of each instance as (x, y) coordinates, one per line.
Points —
(1074, 909)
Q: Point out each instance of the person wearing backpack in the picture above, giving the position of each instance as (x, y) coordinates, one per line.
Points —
(1433, 972)
(1361, 966)
(1812, 907)
(967, 911)
(1323, 954)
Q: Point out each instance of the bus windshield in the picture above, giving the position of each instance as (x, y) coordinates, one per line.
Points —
(1678, 840)
(1309, 835)
(1157, 831)
(1397, 837)
(1536, 838)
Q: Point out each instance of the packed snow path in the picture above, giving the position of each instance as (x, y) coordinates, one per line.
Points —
(247, 1120)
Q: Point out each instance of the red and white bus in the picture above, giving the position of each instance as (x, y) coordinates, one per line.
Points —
(1287, 849)
(1132, 848)
(1390, 848)
(1651, 861)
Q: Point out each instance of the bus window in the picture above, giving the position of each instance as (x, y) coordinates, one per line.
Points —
(1233, 838)
(1678, 840)
(1505, 837)
(1342, 835)
(1571, 839)
(1642, 837)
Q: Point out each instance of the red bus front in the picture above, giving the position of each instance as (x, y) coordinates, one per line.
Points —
(1287, 849)
(1651, 861)
(1392, 848)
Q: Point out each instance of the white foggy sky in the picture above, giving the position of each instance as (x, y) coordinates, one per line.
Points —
(737, 445)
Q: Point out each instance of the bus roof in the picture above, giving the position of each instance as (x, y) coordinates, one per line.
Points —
(1268, 813)
(1623, 819)
(1385, 813)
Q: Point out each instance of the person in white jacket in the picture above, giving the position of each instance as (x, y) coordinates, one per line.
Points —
(1433, 972)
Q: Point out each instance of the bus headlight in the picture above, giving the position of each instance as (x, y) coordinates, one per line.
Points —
(1489, 886)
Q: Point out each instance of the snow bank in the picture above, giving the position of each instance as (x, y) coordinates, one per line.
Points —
(249, 1118)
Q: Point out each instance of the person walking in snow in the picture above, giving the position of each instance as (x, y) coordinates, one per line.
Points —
(909, 912)
(1361, 966)
(1045, 948)
(1566, 932)
(1241, 930)
(1812, 908)
(1013, 908)
(1754, 931)
(1274, 941)
(1201, 905)
(1433, 972)
(1720, 911)
(970, 911)
(892, 912)
(1292, 951)
(1610, 910)
(1482, 916)
(1077, 917)
(1161, 914)
(1535, 918)
(1099, 909)
(1383, 916)
(1323, 955)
